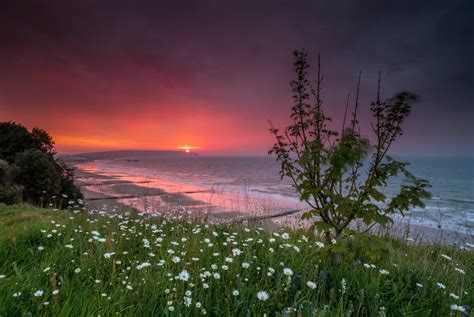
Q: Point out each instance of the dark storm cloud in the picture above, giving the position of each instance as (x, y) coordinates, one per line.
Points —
(201, 58)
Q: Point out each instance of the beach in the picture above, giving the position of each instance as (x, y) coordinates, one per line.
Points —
(102, 189)
(147, 199)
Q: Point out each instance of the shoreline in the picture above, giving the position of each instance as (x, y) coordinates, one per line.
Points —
(179, 205)
(170, 202)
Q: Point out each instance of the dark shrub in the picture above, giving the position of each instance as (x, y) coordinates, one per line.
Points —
(9, 192)
(67, 181)
(37, 172)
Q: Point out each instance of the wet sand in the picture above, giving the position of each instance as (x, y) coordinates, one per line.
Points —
(149, 198)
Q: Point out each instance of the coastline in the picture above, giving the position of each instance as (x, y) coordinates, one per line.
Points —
(171, 204)
(180, 205)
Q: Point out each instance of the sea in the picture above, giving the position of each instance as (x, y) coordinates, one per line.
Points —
(252, 185)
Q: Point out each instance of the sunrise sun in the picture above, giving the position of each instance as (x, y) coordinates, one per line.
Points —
(187, 148)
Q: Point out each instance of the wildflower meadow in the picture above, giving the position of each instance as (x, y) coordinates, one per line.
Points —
(78, 262)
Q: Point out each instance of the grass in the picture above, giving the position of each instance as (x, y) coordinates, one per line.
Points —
(81, 264)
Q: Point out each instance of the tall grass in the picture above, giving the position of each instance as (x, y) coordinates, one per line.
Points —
(73, 263)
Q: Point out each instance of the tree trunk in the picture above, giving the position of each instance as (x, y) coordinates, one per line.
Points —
(335, 257)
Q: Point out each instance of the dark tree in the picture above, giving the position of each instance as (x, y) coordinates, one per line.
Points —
(15, 138)
(30, 157)
(43, 141)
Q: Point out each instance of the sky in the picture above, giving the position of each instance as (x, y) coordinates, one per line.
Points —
(108, 75)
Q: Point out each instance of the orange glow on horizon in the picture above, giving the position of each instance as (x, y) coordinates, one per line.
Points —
(83, 133)
(87, 141)
(188, 148)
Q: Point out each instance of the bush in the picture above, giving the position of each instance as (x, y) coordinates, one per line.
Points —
(38, 174)
(67, 182)
(9, 192)
(5, 171)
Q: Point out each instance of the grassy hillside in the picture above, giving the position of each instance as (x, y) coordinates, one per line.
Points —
(70, 263)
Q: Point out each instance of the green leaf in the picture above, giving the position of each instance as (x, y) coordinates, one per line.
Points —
(322, 226)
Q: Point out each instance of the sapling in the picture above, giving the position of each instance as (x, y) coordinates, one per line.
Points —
(340, 175)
